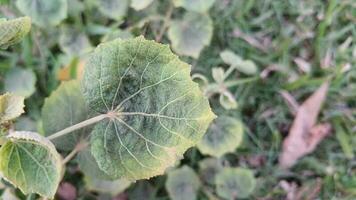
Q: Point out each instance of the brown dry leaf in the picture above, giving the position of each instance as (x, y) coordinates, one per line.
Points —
(304, 136)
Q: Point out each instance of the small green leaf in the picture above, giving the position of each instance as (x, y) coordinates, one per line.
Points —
(44, 13)
(190, 35)
(65, 107)
(12, 31)
(140, 4)
(11, 106)
(20, 82)
(233, 183)
(201, 6)
(182, 184)
(230, 58)
(74, 42)
(227, 100)
(104, 186)
(114, 9)
(208, 168)
(224, 135)
(156, 111)
(245, 66)
(31, 163)
(218, 74)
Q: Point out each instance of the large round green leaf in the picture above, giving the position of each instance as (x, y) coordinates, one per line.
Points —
(12, 31)
(64, 108)
(233, 183)
(182, 184)
(44, 12)
(31, 163)
(194, 5)
(155, 111)
(20, 81)
(191, 34)
(224, 135)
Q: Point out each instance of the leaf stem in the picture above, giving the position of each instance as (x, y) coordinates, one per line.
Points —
(79, 147)
(165, 23)
(78, 126)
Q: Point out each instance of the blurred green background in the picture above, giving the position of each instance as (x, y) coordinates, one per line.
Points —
(248, 56)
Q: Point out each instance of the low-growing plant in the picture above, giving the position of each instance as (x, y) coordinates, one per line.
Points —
(136, 108)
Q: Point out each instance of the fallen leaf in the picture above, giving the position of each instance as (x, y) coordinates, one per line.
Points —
(290, 189)
(304, 136)
(291, 102)
(310, 191)
(66, 191)
(303, 65)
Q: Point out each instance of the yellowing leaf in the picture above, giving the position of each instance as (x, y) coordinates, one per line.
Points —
(74, 70)
(302, 139)
(191, 34)
(12, 31)
(31, 163)
(155, 111)
(11, 106)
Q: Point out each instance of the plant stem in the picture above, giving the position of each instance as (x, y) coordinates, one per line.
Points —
(77, 126)
(80, 146)
(165, 23)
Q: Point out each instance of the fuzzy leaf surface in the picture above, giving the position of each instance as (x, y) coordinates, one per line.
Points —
(12, 31)
(156, 111)
(30, 162)
(11, 106)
